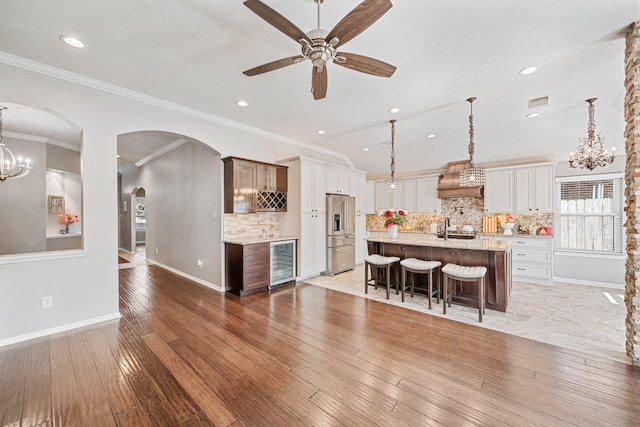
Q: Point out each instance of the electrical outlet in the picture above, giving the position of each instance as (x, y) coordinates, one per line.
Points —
(47, 302)
(156, 251)
(200, 263)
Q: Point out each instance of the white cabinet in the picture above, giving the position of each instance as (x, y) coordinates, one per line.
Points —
(534, 189)
(358, 190)
(370, 197)
(427, 195)
(409, 194)
(338, 180)
(498, 191)
(532, 259)
(306, 214)
(383, 200)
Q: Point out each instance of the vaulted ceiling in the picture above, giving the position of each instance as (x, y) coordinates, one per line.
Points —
(193, 53)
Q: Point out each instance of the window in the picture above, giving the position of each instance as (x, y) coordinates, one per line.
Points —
(591, 214)
(141, 213)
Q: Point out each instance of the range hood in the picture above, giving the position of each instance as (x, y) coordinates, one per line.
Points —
(449, 183)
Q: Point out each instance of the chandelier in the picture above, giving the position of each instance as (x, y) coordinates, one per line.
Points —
(393, 184)
(10, 166)
(591, 153)
(472, 176)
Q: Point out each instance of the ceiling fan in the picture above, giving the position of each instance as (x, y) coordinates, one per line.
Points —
(319, 46)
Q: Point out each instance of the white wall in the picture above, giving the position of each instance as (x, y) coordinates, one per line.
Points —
(84, 283)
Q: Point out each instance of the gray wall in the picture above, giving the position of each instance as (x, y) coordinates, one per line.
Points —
(183, 191)
(23, 203)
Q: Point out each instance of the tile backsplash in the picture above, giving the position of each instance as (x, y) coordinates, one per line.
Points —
(251, 226)
(461, 211)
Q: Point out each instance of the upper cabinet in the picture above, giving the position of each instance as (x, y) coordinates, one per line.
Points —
(519, 189)
(338, 180)
(427, 195)
(534, 189)
(498, 190)
(271, 177)
(370, 197)
(251, 186)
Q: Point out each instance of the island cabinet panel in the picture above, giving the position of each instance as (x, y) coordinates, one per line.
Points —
(497, 260)
(247, 268)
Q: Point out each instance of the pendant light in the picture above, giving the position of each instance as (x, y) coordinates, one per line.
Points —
(472, 176)
(393, 184)
(10, 165)
(591, 153)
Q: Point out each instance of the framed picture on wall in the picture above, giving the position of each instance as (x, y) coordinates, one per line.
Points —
(56, 204)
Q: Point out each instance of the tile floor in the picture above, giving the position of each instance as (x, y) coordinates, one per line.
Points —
(572, 316)
(577, 317)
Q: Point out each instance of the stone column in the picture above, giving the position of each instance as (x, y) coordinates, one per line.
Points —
(632, 191)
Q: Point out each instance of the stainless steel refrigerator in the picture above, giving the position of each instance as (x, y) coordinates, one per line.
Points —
(341, 230)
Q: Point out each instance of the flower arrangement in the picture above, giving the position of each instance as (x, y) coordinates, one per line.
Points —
(393, 217)
(507, 219)
(67, 218)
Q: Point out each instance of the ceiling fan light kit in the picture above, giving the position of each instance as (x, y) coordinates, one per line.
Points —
(591, 153)
(320, 46)
(472, 176)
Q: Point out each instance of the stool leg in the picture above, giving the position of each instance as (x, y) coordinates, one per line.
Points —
(439, 278)
(403, 274)
(397, 269)
(388, 279)
(430, 287)
(445, 297)
(480, 297)
(366, 277)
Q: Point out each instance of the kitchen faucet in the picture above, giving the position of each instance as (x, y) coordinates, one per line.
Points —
(446, 229)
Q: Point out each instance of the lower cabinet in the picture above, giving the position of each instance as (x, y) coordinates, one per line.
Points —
(533, 259)
(247, 268)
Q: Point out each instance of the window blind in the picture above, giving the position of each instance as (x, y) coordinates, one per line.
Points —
(591, 213)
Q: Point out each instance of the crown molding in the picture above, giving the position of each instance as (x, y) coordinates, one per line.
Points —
(175, 144)
(38, 138)
(57, 73)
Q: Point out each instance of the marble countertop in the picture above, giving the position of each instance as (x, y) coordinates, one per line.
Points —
(473, 244)
(252, 240)
(516, 236)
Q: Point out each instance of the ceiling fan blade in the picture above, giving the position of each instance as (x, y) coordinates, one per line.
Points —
(280, 63)
(364, 64)
(358, 20)
(319, 82)
(277, 20)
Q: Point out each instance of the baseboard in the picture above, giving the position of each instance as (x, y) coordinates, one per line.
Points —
(588, 283)
(188, 276)
(58, 329)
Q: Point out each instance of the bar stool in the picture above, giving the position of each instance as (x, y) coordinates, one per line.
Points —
(418, 266)
(383, 263)
(464, 274)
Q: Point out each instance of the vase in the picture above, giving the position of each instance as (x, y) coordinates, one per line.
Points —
(508, 227)
(66, 229)
(393, 231)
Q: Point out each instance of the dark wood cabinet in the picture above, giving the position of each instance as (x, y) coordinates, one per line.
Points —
(251, 186)
(247, 268)
(271, 177)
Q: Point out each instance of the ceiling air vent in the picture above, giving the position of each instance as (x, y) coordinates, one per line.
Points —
(539, 102)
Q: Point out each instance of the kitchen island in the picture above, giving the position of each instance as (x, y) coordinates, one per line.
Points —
(495, 255)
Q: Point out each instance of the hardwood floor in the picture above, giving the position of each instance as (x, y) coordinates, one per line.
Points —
(183, 354)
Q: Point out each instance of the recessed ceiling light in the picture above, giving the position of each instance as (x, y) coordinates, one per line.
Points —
(433, 135)
(321, 132)
(241, 103)
(529, 70)
(72, 41)
(532, 115)
(394, 110)
(365, 149)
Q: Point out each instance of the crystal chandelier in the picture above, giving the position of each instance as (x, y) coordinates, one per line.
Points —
(393, 184)
(472, 176)
(10, 166)
(591, 153)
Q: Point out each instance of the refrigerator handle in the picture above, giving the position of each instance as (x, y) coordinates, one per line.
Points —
(345, 213)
